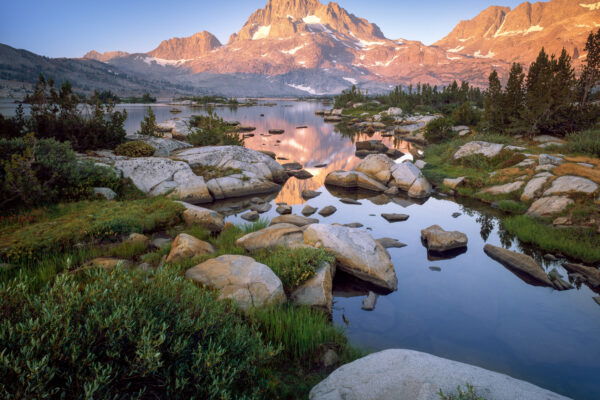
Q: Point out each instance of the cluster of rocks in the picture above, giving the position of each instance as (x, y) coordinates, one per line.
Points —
(374, 146)
(378, 173)
(547, 193)
(175, 175)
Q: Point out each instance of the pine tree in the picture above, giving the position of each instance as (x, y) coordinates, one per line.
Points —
(148, 125)
(514, 95)
(590, 76)
(493, 111)
(538, 97)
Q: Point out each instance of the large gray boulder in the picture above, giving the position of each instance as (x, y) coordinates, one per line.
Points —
(354, 179)
(534, 188)
(356, 253)
(260, 165)
(241, 279)
(504, 189)
(521, 263)
(486, 149)
(158, 176)
(437, 239)
(240, 185)
(377, 166)
(206, 218)
(409, 177)
(412, 375)
(569, 184)
(550, 205)
(317, 291)
(278, 235)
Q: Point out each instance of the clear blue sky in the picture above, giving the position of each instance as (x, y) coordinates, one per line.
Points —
(69, 28)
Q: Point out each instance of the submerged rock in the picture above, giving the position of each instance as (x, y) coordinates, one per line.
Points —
(310, 194)
(439, 240)
(308, 210)
(395, 217)
(356, 253)
(250, 216)
(369, 302)
(284, 209)
(241, 279)
(521, 263)
(412, 375)
(389, 243)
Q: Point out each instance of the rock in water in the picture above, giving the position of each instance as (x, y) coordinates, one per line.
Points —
(327, 211)
(354, 179)
(437, 239)
(356, 253)
(412, 375)
(250, 216)
(346, 200)
(240, 278)
(377, 166)
(308, 210)
(521, 263)
(395, 217)
(389, 243)
(297, 220)
(369, 302)
(284, 209)
(310, 194)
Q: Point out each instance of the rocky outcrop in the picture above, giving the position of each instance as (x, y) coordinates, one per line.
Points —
(534, 188)
(521, 263)
(317, 291)
(504, 189)
(186, 48)
(412, 375)
(260, 165)
(276, 235)
(356, 253)
(438, 240)
(572, 185)
(240, 185)
(485, 149)
(164, 146)
(204, 217)
(186, 246)
(241, 279)
(159, 176)
(547, 206)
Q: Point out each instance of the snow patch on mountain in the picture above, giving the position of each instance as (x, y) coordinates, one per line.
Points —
(591, 6)
(294, 50)
(456, 49)
(351, 80)
(478, 54)
(311, 19)
(262, 32)
(531, 29)
(304, 88)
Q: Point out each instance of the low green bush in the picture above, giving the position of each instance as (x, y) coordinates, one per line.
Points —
(135, 148)
(212, 130)
(209, 172)
(58, 228)
(466, 114)
(127, 335)
(293, 266)
(586, 142)
(36, 172)
(439, 130)
(469, 394)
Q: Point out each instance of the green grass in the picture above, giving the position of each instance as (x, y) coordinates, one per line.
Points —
(293, 266)
(33, 235)
(586, 142)
(512, 206)
(579, 243)
(469, 394)
(209, 172)
(255, 226)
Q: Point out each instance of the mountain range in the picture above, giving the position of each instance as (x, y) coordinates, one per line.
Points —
(304, 47)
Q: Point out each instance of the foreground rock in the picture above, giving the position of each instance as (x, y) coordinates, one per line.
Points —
(408, 177)
(163, 147)
(317, 291)
(521, 263)
(377, 166)
(276, 235)
(241, 279)
(572, 185)
(412, 375)
(209, 219)
(186, 246)
(439, 240)
(159, 176)
(240, 185)
(356, 253)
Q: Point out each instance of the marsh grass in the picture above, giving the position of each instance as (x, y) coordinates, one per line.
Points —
(511, 206)
(576, 242)
(586, 142)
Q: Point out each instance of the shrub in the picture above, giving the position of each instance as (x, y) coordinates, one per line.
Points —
(466, 114)
(126, 335)
(135, 148)
(148, 125)
(209, 172)
(212, 130)
(60, 227)
(45, 171)
(469, 394)
(293, 266)
(439, 130)
(586, 142)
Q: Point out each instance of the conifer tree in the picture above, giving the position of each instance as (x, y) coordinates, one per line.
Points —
(514, 95)
(538, 96)
(148, 125)
(590, 76)
(493, 111)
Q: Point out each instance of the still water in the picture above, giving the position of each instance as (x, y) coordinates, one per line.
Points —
(474, 310)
